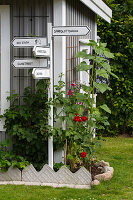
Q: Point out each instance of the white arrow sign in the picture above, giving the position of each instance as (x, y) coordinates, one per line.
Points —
(41, 51)
(29, 42)
(40, 73)
(70, 30)
(30, 63)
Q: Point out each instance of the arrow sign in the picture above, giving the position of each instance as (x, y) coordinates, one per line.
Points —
(30, 63)
(29, 42)
(40, 73)
(41, 51)
(70, 30)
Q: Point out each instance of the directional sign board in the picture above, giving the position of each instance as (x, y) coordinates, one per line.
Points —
(30, 63)
(41, 51)
(29, 42)
(70, 30)
(41, 73)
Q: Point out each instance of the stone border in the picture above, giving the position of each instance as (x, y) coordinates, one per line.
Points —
(62, 178)
(107, 172)
(47, 177)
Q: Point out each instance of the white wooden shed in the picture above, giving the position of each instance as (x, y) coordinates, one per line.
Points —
(22, 18)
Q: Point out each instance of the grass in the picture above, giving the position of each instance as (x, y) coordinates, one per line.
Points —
(117, 151)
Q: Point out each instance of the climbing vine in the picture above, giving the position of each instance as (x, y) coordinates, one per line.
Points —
(27, 124)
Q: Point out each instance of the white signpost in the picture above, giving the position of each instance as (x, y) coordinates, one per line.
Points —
(29, 42)
(41, 51)
(40, 73)
(30, 63)
(70, 30)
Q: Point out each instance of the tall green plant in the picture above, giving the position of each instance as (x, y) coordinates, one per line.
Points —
(119, 37)
(77, 109)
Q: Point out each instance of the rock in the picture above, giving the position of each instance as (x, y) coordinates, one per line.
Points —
(97, 164)
(109, 169)
(95, 182)
(99, 177)
(102, 163)
(107, 176)
(103, 177)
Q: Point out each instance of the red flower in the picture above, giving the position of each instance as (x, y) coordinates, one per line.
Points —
(76, 114)
(84, 118)
(77, 119)
(69, 92)
(73, 84)
(83, 154)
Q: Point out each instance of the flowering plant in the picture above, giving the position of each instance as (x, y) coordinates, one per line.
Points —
(83, 154)
(75, 108)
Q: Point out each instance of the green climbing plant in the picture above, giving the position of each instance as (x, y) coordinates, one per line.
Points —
(76, 110)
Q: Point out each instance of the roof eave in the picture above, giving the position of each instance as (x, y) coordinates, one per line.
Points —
(100, 8)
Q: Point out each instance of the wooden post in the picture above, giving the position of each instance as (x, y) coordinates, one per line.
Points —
(50, 95)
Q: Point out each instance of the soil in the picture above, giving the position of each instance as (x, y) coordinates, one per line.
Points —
(95, 170)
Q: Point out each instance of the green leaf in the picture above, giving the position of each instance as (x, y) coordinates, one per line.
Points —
(102, 72)
(84, 55)
(80, 97)
(99, 50)
(102, 45)
(102, 87)
(105, 108)
(91, 43)
(108, 54)
(83, 66)
(100, 60)
(86, 88)
(113, 75)
(81, 109)
(106, 66)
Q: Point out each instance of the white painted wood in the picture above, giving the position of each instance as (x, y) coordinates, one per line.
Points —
(28, 42)
(103, 7)
(30, 63)
(100, 9)
(5, 59)
(70, 30)
(59, 156)
(84, 77)
(63, 57)
(95, 28)
(41, 73)
(50, 95)
(41, 51)
(59, 13)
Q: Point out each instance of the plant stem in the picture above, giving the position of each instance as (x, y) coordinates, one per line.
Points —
(65, 153)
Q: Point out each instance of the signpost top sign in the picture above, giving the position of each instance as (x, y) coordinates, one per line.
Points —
(70, 30)
(29, 42)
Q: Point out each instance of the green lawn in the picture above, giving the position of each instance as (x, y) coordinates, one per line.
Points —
(117, 151)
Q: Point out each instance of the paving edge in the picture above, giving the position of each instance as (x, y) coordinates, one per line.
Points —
(44, 184)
